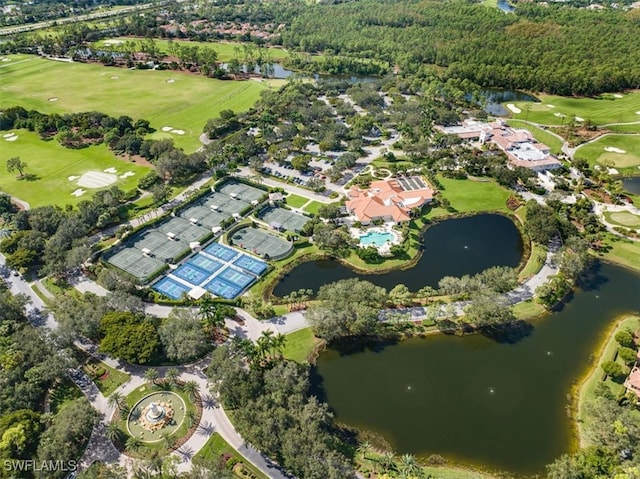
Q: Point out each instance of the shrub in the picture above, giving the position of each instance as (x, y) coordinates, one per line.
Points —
(232, 461)
(611, 368)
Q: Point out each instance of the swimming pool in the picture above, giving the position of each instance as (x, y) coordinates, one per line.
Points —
(376, 238)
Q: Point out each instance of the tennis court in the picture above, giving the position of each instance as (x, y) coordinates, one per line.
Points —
(205, 216)
(222, 252)
(226, 204)
(222, 288)
(171, 288)
(135, 263)
(250, 264)
(261, 242)
(287, 219)
(190, 273)
(244, 192)
(202, 262)
(237, 278)
(160, 246)
(184, 230)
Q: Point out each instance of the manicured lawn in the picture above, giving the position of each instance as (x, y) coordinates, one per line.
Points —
(51, 165)
(623, 218)
(111, 380)
(535, 262)
(217, 446)
(528, 309)
(313, 207)
(226, 50)
(466, 196)
(601, 110)
(622, 251)
(296, 201)
(635, 128)
(62, 393)
(607, 353)
(184, 104)
(623, 154)
(543, 136)
(300, 345)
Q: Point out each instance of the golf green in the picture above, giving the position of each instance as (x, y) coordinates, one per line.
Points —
(619, 151)
(177, 104)
(54, 172)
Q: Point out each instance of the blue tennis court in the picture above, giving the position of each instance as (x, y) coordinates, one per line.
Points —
(250, 264)
(204, 263)
(237, 278)
(220, 251)
(222, 288)
(191, 274)
(171, 288)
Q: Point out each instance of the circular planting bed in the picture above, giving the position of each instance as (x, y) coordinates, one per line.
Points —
(157, 414)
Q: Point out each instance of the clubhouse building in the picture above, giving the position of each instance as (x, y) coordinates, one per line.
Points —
(518, 144)
(388, 200)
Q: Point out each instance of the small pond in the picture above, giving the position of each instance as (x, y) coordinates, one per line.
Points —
(494, 97)
(632, 184)
(496, 402)
(451, 248)
(505, 6)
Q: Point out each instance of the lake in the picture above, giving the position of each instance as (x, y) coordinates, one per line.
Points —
(451, 248)
(476, 400)
(632, 184)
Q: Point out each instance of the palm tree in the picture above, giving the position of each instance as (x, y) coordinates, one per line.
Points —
(172, 376)
(364, 448)
(190, 388)
(409, 467)
(132, 444)
(278, 343)
(151, 375)
(387, 461)
(116, 400)
(264, 343)
(190, 417)
(113, 432)
(167, 440)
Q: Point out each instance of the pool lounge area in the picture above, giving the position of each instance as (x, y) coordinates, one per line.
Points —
(381, 238)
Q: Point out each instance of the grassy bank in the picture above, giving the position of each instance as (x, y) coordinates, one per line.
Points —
(543, 136)
(621, 251)
(216, 447)
(300, 345)
(596, 376)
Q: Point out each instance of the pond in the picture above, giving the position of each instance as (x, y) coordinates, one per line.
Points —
(494, 97)
(505, 6)
(451, 248)
(632, 184)
(494, 403)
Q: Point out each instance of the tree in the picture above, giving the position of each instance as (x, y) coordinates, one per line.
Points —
(129, 337)
(628, 355)
(113, 432)
(116, 400)
(487, 309)
(369, 254)
(161, 193)
(346, 308)
(19, 435)
(301, 162)
(14, 164)
(400, 295)
(151, 375)
(541, 222)
(182, 336)
(409, 467)
(612, 368)
(172, 375)
(625, 339)
(190, 388)
(132, 444)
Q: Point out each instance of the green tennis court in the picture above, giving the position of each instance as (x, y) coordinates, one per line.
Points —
(287, 219)
(205, 216)
(136, 264)
(225, 204)
(261, 243)
(244, 192)
(184, 230)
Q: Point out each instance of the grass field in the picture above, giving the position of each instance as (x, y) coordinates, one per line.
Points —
(596, 376)
(622, 251)
(296, 201)
(300, 345)
(52, 165)
(466, 196)
(543, 136)
(313, 207)
(226, 50)
(607, 108)
(184, 104)
(595, 152)
(111, 380)
(623, 218)
(215, 447)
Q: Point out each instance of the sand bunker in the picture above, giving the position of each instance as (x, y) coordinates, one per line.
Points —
(72, 178)
(167, 128)
(111, 170)
(96, 179)
(560, 115)
(171, 80)
(618, 95)
(613, 149)
(178, 132)
(638, 113)
(113, 42)
(8, 135)
(514, 108)
(78, 192)
(613, 171)
(127, 174)
(551, 106)
(114, 78)
(579, 119)
(13, 137)
(53, 98)
(5, 59)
